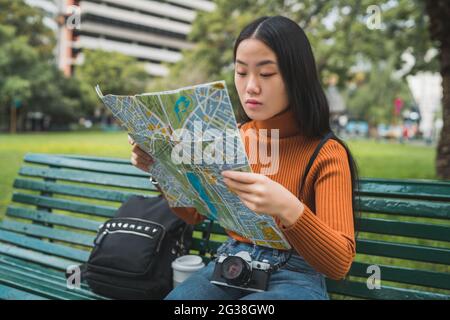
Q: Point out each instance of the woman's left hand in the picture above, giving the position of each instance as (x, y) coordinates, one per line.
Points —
(263, 195)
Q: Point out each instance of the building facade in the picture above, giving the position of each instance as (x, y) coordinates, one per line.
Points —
(152, 31)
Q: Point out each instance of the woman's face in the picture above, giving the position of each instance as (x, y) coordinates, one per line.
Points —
(258, 80)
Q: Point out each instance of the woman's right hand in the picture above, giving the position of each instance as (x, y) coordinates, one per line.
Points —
(139, 158)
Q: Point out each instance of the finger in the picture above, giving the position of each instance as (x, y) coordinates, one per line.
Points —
(244, 177)
(136, 160)
(141, 157)
(249, 204)
(130, 140)
(142, 161)
(238, 186)
(143, 168)
(141, 153)
(236, 192)
(140, 165)
(248, 197)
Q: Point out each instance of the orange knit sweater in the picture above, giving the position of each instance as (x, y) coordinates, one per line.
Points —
(324, 232)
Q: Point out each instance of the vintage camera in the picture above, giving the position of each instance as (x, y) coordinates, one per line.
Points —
(239, 271)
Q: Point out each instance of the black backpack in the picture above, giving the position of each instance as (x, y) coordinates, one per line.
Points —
(133, 251)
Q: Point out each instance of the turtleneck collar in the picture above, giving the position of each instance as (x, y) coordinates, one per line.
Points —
(284, 121)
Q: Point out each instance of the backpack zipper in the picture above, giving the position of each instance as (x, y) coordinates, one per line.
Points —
(106, 231)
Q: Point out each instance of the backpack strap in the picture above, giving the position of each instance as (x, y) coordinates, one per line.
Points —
(328, 136)
(206, 236)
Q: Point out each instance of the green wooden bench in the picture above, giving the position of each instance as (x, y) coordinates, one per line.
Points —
(60, 200)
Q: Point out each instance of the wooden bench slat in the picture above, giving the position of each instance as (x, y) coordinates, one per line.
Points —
(439, 280)
(85, 165)
(52, 289)
(198, 244)
(377, 248)
(52, 218)
(39, 270)
(403, 251)
(37, 257)
(91, 158)
(29, 265)
(216, 228)
(405, 229)
(406, 207)
(79, 191)
(64, 204)
(89, 177)
(50, 292)
(50, 233)
(8, 293)
(360, 290)
(59, 280)
(43, 246)
(417, 189)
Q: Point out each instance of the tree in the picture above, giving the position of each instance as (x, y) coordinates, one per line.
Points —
(213, 34)
(16, 59)
(439, 25)
(372, 97)
(56, 96)
(338, 32)
(28, 22)
(31, 81)
(342, 38)
(114, 72)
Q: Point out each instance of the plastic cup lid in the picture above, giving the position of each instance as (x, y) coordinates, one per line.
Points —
(189, 260)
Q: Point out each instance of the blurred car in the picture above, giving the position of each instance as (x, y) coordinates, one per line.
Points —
(357, 128)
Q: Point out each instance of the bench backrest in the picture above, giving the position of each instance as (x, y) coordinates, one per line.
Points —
(60, 200)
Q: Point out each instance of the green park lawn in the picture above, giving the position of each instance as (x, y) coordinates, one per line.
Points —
(375, 159)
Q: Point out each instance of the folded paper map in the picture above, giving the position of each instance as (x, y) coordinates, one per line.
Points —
(192, 135)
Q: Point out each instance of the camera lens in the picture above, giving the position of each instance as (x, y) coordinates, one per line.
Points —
(236, 271)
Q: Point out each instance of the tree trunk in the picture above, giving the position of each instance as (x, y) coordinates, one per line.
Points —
(443, 151)
(439, 13)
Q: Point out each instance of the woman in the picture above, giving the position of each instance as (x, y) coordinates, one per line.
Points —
(278, 87)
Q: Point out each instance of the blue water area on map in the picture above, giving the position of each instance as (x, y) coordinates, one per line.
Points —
(181, 106)
(196, 183)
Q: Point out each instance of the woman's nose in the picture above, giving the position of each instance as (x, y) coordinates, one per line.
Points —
(253, 86)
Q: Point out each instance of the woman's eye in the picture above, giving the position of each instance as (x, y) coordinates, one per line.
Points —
(265, 75)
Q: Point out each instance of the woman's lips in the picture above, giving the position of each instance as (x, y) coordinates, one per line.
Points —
(252, 104)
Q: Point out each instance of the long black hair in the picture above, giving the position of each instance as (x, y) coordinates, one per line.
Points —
(298, 69)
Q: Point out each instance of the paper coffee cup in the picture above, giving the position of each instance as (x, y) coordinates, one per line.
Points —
(185, 266)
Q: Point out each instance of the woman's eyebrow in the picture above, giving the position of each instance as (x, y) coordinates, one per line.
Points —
(261, 63)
